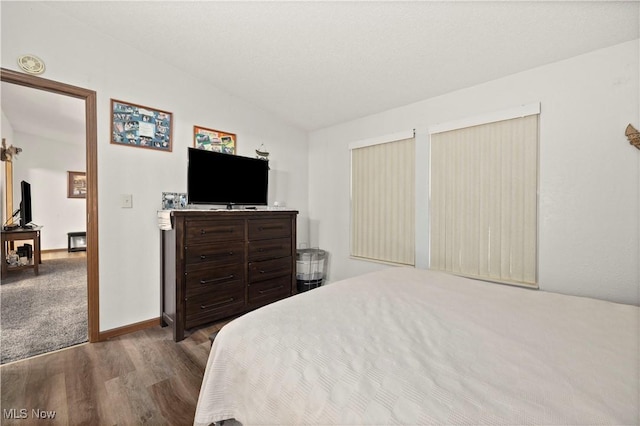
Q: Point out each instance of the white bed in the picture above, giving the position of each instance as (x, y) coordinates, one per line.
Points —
(409, 346)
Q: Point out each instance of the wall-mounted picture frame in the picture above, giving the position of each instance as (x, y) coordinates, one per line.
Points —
(214, 140)
(76, 184)
(141, 126)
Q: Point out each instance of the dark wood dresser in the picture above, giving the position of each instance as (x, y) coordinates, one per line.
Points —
(217, 264)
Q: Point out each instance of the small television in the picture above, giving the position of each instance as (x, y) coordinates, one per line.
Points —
(25, 205)
(225, 179)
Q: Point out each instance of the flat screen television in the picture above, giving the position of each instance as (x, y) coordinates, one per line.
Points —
(25, 205)
(225, 179)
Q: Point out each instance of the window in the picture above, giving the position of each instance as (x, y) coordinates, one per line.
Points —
(483, 197)
(383, 200)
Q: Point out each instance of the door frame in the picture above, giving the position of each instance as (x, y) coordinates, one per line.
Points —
(89, 97)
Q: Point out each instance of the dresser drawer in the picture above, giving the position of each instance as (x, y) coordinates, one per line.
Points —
(221, 264)
(269, 249)
(208, 307)
(210, 231)
(263, 292)
(269, 228)
(267, 269)
(214, 279)
(204, 255)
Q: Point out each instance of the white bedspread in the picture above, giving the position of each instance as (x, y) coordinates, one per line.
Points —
(409, 346)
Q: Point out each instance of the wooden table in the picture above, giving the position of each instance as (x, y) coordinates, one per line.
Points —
(20, 234)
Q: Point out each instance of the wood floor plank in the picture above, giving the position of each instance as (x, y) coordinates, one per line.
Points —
(139, 378)
(176, 400)
(86, 394)
(147, 357)
(134, 402)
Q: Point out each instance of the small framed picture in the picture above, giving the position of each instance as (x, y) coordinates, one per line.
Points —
(76, 185)
(214, 140)
(174, 200)
(140, 126)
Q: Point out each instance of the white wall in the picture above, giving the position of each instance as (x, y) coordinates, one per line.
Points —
(589, 201)
(44, 164)
(129, 238)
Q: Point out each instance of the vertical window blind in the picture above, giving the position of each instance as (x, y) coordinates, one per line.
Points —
(483, 220)
(383, 202)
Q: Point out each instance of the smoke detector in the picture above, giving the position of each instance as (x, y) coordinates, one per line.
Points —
(31, 64)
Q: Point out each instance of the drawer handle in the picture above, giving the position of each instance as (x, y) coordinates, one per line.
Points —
(231, 299)
(226, 231)
(263, 249)
(265, 228)
(273, 271)
(270, 290)
(204, 256)
(215, 280)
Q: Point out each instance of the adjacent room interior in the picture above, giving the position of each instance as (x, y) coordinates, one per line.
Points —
(49, 129)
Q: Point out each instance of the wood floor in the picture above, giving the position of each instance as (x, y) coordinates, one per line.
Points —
(139, 378)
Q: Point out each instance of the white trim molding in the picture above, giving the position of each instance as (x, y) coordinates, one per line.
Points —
(491, 117)
(406, 134)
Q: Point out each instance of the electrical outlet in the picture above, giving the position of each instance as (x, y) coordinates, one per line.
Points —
(126, 201)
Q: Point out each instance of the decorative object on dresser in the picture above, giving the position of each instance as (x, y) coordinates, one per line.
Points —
(217, 264)
(262, 153)
(174, 200)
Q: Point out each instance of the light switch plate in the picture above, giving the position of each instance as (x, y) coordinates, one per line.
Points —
(126, 201)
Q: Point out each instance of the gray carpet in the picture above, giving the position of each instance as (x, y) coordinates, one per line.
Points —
(43, 313)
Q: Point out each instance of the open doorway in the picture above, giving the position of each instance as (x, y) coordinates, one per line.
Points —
(88, 97)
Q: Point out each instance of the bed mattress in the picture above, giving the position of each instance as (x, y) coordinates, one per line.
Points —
(410, 346)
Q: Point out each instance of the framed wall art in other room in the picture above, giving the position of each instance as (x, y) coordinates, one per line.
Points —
(140, 126)
(76, 185)
(214, 140)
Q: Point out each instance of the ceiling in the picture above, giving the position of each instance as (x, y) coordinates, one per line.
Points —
(316, 64)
